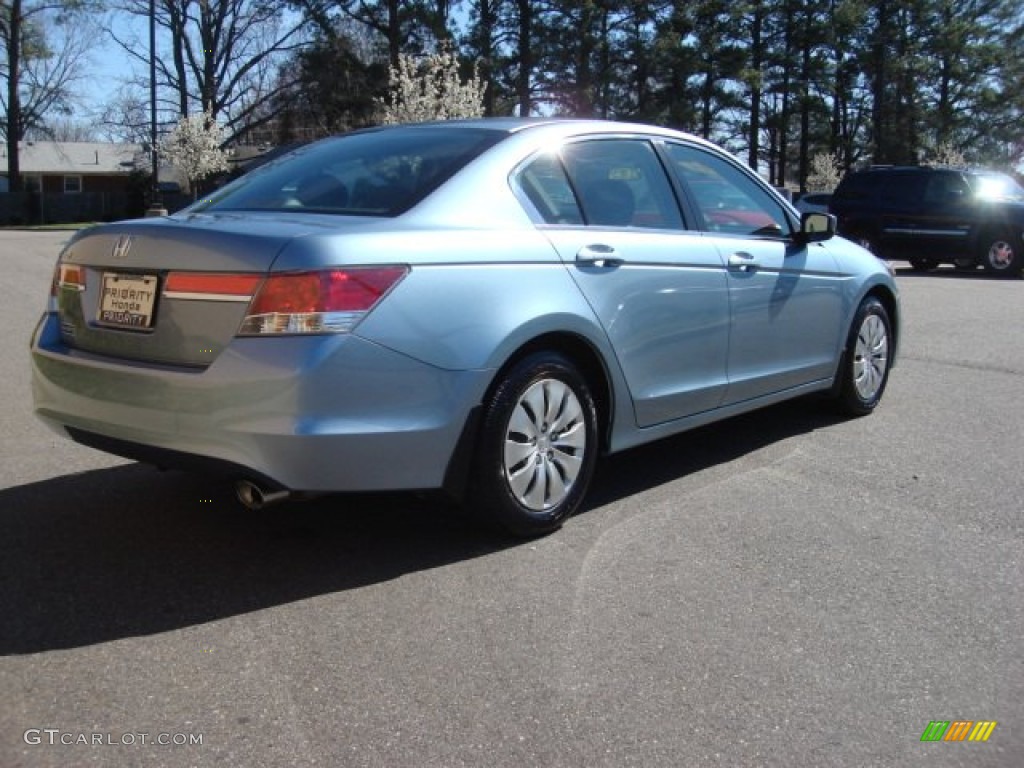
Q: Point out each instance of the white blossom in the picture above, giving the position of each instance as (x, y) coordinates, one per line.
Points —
(825, 172)
(429, 88)
(194, 148)
(946, 156)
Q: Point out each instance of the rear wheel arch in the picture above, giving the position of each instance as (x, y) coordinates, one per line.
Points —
(581, 354)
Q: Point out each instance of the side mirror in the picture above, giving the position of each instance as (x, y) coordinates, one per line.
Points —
(815, 227)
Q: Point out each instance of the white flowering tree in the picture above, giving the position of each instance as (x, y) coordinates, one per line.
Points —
(430, 88)
(194, 148)
(825, 172)
(945, 155)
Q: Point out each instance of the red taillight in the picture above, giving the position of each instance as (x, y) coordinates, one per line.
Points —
(328, 301)
(288, 293)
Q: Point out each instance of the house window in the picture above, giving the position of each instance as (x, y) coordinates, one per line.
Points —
(72, 185)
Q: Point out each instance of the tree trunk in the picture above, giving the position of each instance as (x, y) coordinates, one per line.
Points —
(787, 78)
(208, 26)
(487, 50)
(706, 93)
(394, 33)
(13, 97)
(805, 100)
(176, 24)
(525, 57)
(880, 105)
(756, 62)
(583, 99)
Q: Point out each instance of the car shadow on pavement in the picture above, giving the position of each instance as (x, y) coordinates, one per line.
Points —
(947, 272)
(127, 551)
(647, 466)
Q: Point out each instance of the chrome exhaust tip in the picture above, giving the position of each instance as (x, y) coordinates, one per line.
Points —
(254, 498)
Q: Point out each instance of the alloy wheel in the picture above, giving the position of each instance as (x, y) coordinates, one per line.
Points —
(544, 444)
(871, 357)
(1000, 255)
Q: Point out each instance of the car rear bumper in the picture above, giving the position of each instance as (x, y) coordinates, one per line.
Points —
(316, 413)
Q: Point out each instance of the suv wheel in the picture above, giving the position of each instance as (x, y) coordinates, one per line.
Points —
(1000, 255)
(923, 264)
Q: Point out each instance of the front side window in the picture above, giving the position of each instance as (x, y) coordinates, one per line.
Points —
(370, 173)
(944, 188)
(997, 186)
(727, 200)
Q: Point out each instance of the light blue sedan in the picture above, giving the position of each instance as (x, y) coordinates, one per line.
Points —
(480, 306)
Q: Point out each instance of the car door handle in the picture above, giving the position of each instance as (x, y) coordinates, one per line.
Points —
(598, 255)
(744, 262)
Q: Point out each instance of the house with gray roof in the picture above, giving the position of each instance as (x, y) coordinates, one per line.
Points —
(74, 181)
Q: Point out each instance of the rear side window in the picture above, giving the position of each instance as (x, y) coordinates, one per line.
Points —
(621, 183)
(602, 183)
(370, 173)
(944, 188)
(545, 184)
(902, 189)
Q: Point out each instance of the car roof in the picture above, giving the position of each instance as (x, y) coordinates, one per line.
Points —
(556, 128)
(882, 169)
(565, 125)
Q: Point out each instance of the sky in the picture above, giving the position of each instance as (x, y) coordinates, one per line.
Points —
(110, 65)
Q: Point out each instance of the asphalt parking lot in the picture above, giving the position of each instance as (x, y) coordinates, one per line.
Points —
(784, 589)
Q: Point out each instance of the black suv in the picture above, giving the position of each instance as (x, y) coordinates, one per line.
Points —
(933, 215)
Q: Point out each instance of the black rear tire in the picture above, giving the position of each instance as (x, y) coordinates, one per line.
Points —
(537, 447)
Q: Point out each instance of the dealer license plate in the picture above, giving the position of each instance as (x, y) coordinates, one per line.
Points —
(127, 300)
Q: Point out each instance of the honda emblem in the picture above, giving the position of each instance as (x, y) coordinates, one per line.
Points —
(121, 247)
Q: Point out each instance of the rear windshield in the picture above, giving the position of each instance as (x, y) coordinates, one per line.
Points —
(371, 173)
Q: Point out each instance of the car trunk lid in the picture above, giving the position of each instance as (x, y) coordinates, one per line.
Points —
(168, 291)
